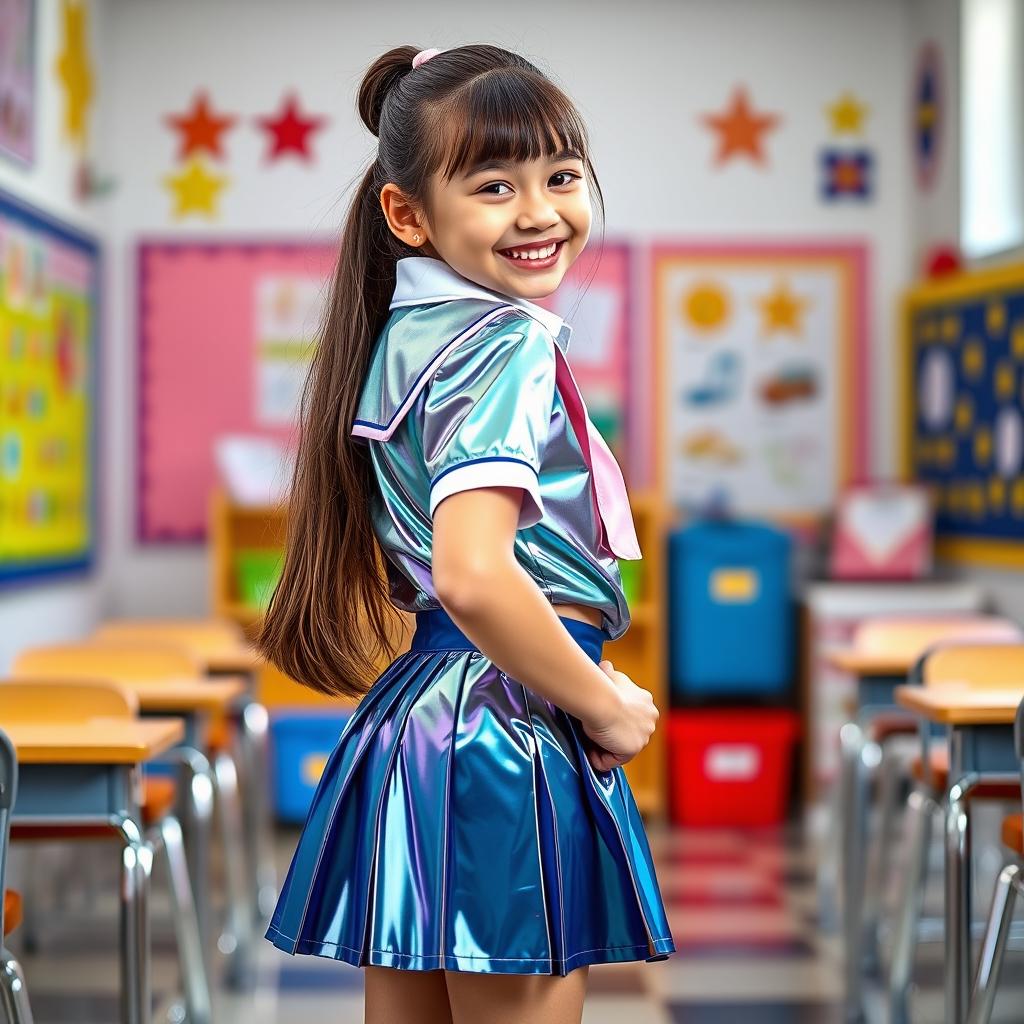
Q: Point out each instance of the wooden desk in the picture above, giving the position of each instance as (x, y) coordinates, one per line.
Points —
(88, 773)
(979, 727)
(863, 663)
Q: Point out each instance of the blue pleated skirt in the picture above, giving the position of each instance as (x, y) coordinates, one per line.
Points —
(459, 825)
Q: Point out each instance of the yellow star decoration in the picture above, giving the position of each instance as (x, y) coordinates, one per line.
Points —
(847, 115)
(782, 310)
(195, 190)
(74, 72)
(1017, 494)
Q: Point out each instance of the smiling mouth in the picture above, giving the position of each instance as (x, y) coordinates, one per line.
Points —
(526, 263)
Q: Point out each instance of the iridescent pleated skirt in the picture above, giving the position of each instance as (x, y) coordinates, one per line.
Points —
(459, 825)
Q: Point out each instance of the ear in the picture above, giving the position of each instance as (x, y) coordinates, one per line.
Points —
(403, 221)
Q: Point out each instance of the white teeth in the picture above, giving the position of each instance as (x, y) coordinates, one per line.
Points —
(533, 254)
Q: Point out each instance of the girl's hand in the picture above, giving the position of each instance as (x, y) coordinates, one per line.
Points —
(622, 738)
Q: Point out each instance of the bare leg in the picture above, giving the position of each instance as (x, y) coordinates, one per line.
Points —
(395, 996)
(514, 998)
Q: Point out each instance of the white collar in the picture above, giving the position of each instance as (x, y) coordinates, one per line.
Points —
(422, 279)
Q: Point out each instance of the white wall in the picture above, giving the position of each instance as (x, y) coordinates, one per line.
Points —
(641, 74)
(67, 607)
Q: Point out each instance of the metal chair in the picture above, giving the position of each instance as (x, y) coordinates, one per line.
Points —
(13, 993)
(1009, 885)
(982, 665)
(50, 700)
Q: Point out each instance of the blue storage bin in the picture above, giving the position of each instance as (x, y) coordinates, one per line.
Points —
(730, 610)
(301, 743)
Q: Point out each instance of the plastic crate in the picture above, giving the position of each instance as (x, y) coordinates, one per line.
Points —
(730, 767)
(731, 611)
(302, 741)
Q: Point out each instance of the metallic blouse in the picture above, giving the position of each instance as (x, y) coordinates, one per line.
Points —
(471, 388)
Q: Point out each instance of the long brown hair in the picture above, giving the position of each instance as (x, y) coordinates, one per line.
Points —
(330, 620)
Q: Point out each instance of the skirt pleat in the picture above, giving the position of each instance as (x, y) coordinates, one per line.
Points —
(459, 825)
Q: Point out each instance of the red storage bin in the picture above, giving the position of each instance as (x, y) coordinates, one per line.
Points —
(730, 767)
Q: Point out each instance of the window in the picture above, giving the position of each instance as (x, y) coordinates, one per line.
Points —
(992, 126)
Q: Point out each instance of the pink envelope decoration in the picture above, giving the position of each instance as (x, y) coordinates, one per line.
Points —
(883, 532)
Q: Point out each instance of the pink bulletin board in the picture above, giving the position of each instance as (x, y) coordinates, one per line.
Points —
(595, 298)
(210, 362)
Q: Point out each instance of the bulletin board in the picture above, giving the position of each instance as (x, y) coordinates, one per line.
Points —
(595, 298)
(964, 429)
(760, 371)
(49, 349)
(225, 336)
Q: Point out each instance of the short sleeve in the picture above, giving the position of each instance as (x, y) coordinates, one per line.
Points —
(487, 413)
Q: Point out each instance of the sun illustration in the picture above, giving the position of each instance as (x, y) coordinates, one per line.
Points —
(706, 307)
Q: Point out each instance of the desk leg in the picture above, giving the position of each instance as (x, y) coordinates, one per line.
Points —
(854, 798)
(136, 871)
(958, 887)
(195, 813)
(254, 737)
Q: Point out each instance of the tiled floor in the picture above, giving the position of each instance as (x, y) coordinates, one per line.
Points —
(742, 907)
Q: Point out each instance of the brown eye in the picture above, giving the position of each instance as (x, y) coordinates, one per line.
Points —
(569, 174)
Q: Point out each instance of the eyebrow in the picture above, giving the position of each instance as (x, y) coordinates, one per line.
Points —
(488, 165)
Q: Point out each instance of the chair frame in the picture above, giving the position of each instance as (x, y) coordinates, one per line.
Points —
(13, 990)
(1009, 886)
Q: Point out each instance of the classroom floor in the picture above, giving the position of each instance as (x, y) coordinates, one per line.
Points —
(742, 906)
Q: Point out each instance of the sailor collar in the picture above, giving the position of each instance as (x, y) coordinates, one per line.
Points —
(420, 280)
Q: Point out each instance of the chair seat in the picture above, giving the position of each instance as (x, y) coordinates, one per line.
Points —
(12, 910)
(892, 724)
(158, 798)
(1013, 832)
(940, 776)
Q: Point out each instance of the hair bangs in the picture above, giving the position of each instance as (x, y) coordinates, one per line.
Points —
(504, 115)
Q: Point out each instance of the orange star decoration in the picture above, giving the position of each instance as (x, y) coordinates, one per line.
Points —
(782, 311)
(200, 128)
(195, 190)
(847, 115)
(289, 131)
(74, 72)
(739, 129)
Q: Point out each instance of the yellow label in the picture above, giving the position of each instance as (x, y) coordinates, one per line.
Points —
(734, 585)
(312, 768)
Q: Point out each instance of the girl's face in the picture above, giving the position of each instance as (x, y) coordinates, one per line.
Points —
(480, 217)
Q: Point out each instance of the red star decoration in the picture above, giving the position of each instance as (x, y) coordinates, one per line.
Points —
(200, 128)
(739, 129)
(290, 131)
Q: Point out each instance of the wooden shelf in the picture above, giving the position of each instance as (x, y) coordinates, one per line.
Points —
(640, 653)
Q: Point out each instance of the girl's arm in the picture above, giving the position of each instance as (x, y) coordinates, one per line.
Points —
(496, 603)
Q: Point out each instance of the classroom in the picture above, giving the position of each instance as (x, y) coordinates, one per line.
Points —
(531, 490)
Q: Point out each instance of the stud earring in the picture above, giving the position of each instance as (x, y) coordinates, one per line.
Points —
(415, 238)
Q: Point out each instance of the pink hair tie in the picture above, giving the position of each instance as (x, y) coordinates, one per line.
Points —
(424, 55)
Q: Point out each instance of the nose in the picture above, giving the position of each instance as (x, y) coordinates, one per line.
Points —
(536, 211)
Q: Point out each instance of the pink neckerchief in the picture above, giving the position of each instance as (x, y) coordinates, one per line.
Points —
(616, 518)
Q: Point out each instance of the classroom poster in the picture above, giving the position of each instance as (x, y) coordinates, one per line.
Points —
(49, 329)
(759, 374)
(17, 80)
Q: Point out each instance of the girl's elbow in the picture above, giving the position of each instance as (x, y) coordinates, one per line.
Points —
(461, 586)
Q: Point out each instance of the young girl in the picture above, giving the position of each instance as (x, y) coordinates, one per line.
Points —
(474, 818)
